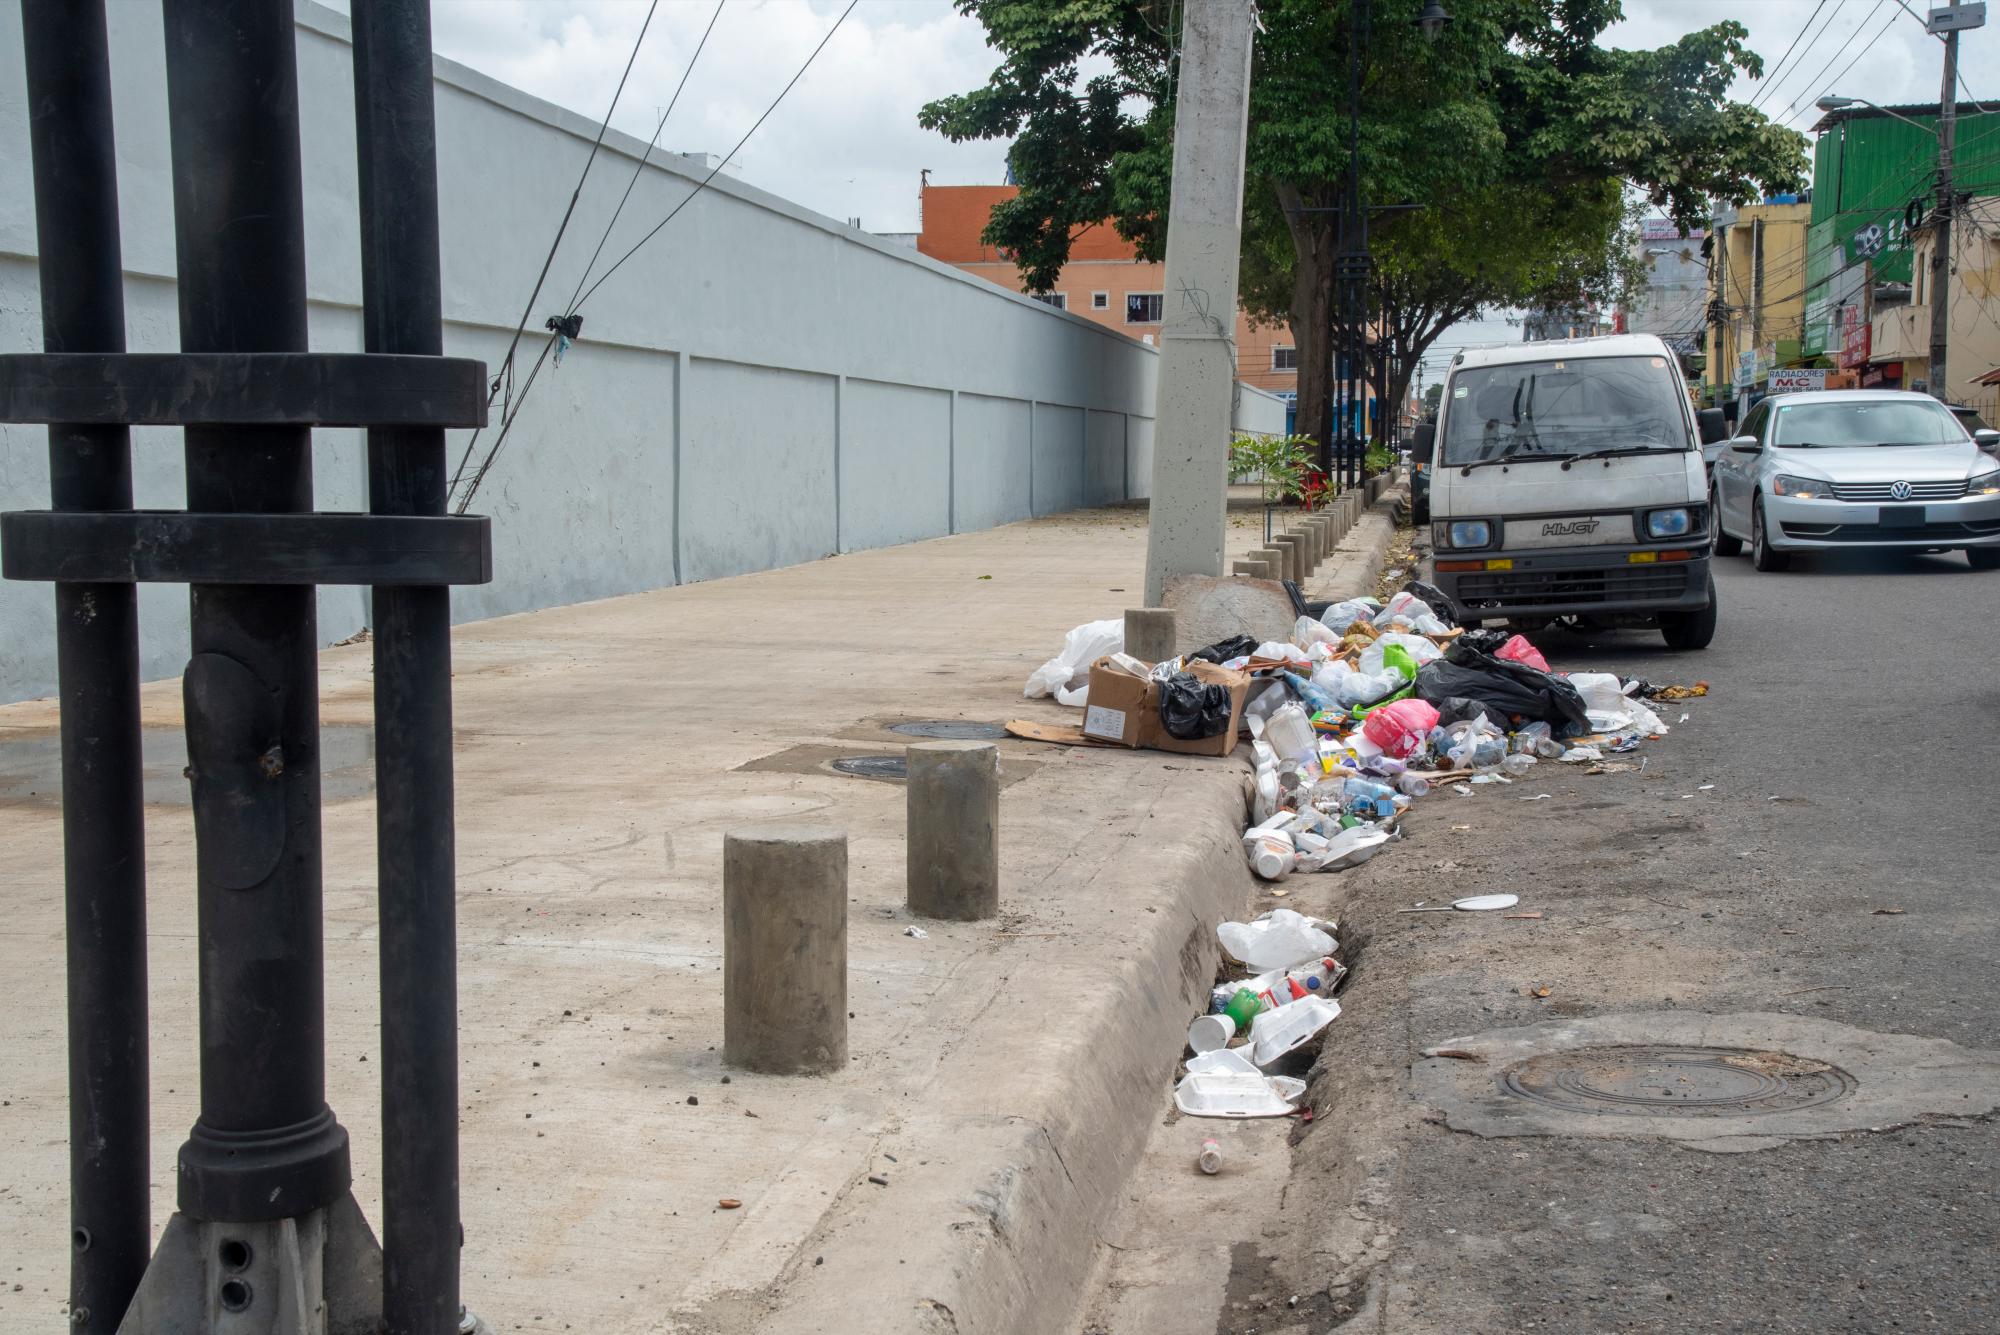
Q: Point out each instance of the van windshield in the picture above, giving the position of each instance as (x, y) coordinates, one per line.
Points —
(1563, 407)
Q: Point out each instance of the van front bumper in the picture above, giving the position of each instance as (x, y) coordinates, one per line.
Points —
(1574, 581)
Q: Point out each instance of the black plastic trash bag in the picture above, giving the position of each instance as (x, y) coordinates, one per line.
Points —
(1236, 646)
(1433, 598)
(1485, 641)
(1503, 686)
(1191, 709)
(1456, 709)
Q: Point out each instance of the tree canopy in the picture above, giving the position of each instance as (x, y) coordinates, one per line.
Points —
(1515, 135)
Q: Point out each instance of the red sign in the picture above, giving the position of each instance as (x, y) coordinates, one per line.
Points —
(1854, 339)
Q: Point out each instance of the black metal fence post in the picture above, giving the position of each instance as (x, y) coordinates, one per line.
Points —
(395, 119)
(97, 656)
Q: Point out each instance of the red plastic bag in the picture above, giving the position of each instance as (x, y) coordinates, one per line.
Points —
(1518, 649)
(1400, 728)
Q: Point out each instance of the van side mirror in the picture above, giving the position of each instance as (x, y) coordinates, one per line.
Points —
(1423, 442)
(1714, 425)
(1745, 444)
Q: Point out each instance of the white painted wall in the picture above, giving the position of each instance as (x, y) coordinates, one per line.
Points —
(758, 386)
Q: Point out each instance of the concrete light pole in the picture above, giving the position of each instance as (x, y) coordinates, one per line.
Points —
(1198, 334)
(1941, 254)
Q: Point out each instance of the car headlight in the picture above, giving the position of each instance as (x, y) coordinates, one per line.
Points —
(1986, 484)
(1469, 533)
(1800, 488)
(1675, 523)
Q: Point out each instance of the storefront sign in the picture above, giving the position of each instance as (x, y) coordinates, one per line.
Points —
(1797, 381)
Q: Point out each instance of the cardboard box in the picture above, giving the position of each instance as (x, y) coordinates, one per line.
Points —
(1124, 708)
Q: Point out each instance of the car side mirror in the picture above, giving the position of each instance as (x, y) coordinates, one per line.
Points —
(1423, 442)
(1988, 439)
(1745, 444)
(1714, 425)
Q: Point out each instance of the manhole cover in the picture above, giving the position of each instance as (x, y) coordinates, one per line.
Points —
(949, 730)
(1676, 1082)
(873, 767)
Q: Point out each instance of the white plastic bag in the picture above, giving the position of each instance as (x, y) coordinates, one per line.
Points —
(1309, 632)
(1420, 649)
(1068, 673)
(1340, 616)
(1405, 605)
(1280, 939)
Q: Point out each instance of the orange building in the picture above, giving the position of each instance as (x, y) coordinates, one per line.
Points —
(1103, 282)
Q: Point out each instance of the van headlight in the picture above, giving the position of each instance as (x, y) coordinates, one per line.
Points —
(1675, 523)
(1800, 488)
(1469, 533)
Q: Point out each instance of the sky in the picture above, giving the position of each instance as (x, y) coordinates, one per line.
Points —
(846, 143)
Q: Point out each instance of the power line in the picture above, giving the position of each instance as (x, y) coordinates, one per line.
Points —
(507, 362)
(1770, 80)
(1792, 109)
(640, 166)
(675, 211)
(1771, 90)
(507, 425)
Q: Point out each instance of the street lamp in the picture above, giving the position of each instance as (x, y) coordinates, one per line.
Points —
(1941, 244)
(1349, 436)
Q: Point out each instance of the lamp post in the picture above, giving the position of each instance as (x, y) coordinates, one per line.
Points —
(1348, 425)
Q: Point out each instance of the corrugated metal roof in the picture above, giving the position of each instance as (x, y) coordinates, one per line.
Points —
(1915, 110)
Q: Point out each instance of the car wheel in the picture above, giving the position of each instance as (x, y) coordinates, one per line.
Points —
(1983, 558)
(1690, 630)
(1724, 544)
(1761, 554)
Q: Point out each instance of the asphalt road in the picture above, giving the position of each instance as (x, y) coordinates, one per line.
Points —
(1861, 694)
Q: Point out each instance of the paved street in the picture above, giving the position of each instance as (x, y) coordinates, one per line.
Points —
(1859, 694)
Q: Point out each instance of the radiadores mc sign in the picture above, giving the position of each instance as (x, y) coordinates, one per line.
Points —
(1797, 381)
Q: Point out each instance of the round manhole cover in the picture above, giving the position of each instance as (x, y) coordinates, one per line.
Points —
(949, 730)
(1676, 1082)
(873, 767)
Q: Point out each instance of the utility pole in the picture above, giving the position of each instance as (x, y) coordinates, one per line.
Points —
(1941, 255)
(1197, 370)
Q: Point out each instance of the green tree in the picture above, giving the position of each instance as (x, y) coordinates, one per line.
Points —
(1433, 396)
(1515, 101)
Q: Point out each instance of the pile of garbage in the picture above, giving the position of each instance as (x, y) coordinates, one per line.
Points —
(1278, 1009)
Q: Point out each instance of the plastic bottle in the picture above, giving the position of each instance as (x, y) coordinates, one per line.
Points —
(1358, 792)
(1290, 733)
(1517, 764)
(1530, 737)
(1412, 785)
(1243, 1008)
(1489, 752)
(1318, 976)
(1210, 1158)
(1271, 853)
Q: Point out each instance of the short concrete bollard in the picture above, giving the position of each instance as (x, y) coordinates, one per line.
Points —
(1315, 547)
(1276, 556)
(1149, 633)
(1299, 563)
(784, 950)
(953, 839)
(1255, 569)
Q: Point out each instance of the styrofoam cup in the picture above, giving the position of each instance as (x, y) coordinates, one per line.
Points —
(1211, 1032)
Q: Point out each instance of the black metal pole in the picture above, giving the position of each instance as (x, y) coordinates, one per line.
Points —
(396, 137)
(266, 1146)
(97, 654)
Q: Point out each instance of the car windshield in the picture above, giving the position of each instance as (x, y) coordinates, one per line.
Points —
(1853, 423)
(1565, 407)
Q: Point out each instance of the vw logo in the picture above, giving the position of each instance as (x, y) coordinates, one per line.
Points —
(1899, 490)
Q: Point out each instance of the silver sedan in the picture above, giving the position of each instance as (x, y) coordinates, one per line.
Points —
(1838, 469)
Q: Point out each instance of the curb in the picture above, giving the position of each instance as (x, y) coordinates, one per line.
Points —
(1038, 1116)
(1352, 569)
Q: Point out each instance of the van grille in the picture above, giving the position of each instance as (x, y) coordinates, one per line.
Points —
(1538, 588)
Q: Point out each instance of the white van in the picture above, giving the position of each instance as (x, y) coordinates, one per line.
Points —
(1567, 484)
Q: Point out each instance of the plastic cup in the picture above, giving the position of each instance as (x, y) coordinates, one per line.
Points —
(1242, 1008)
(1210, 1032)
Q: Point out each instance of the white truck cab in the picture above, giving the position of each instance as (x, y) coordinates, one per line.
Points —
(1567, 484)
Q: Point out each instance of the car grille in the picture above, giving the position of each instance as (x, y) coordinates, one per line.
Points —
(1879, 533)
(1539, 588)
(1878, 492)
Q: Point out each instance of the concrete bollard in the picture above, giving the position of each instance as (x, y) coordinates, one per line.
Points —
(1149, 633)
(953, 837)
(1255, 569)
(1315, 538)
(1275, 555)
(1268, 566)
(1300, 562)
(784, 949)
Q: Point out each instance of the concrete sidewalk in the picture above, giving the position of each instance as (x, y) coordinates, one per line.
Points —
(1003, 1075)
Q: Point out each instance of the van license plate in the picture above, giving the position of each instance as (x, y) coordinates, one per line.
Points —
(1902, 516)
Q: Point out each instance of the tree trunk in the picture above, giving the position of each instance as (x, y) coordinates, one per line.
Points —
(1315, 239)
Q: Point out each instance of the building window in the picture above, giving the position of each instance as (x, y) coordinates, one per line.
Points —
(1055, 299)
(1145, 307)
(1100, 301)
(1284, 358)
